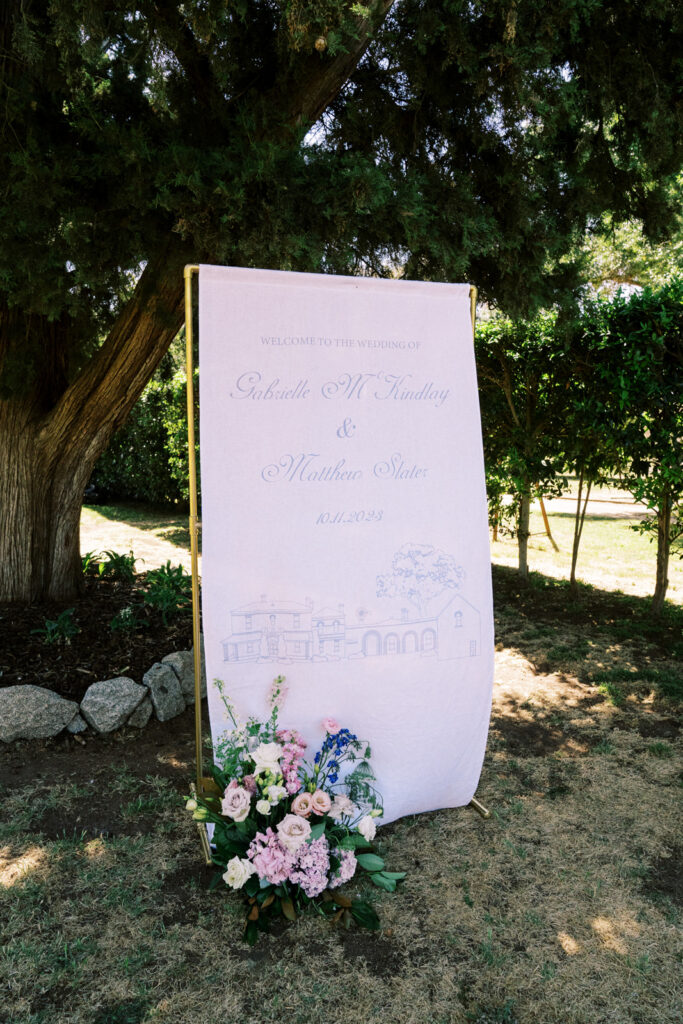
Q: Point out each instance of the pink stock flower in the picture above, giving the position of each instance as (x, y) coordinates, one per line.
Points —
(292, 756)
(303, 805)
(320, 802)
(331, 726)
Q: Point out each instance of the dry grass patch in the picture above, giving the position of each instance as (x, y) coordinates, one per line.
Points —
(563, 908)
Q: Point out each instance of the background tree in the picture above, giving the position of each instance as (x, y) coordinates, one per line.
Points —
(460, 140)
(619, 254)
(636, 346)
(525, 369)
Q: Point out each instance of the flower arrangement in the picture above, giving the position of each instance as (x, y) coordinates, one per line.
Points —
(289, 833)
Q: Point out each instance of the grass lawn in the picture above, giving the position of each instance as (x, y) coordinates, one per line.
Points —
(612, 556)
(563, 908)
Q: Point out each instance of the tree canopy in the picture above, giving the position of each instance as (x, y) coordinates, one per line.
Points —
(450, 139)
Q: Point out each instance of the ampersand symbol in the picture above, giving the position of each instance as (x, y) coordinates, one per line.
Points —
(346, 429)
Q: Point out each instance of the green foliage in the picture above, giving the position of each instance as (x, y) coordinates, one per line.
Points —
(116, 566)
(89, 561)
(128, 620)
(147, 460)
(59, 630)
(169, 590)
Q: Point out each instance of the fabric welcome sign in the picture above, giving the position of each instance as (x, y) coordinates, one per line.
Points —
(344, 521)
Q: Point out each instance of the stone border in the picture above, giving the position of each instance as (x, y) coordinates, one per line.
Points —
(32, 712)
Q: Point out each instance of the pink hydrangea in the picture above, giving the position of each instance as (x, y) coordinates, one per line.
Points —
(346, 869)
(271, 860)
(292, 755)
(312, 866)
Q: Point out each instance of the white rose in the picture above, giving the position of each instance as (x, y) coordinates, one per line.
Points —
(235, 803)
(276, 794)
(238, 872)
(263, 806)
(367, 828)
(293, 831)
(267, 758)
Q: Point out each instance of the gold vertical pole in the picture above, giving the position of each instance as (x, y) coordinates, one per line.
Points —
(479, 808)
(189, 369)
(473, 306)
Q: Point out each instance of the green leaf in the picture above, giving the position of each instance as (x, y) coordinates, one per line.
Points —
(317, 831)
(397, 875)
(288, 909)
(382, 882)
(252, 885)
(251, 933)
(370, 861)
(364, 915)
(353, 842)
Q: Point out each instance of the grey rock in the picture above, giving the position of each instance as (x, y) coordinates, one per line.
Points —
(182, 663)
(108, 703)
(164, 689)
(141, 715)
(31, 712)
(79, 724)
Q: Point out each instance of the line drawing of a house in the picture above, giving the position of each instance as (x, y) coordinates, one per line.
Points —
(283, 631)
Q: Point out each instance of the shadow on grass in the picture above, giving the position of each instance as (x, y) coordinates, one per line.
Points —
(168, 525)
(607, 517)
(582, 633)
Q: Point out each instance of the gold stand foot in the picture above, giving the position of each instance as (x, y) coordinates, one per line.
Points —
(201, 828)
(479, 808)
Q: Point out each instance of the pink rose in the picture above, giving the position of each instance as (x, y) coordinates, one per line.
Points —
(236, 803)
(320, 802)
(331, 726)
(293, 831)
(342, 807)
(302, 804)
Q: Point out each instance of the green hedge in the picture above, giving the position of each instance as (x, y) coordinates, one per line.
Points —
(147, 459)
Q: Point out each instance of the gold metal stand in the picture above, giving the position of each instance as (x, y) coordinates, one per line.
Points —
(479, 808)
(189, 369)
(473, 306)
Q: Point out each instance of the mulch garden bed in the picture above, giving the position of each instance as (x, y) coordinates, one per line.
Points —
(96, 651)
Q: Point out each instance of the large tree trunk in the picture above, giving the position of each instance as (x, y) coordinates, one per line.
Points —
(663, 552)
(47, 455)
(40, 507)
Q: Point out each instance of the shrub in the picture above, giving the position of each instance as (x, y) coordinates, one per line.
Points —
(169, 589)
(147, 459)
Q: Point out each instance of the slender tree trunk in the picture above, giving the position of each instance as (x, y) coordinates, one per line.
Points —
(546, 523)
(523, 535)
(663, 552)
(579, 519)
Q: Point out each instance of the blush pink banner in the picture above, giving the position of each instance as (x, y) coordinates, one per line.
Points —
(344, 522)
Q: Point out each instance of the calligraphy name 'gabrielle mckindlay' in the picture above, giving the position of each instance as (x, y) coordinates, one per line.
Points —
(381, 387)
(309, 467)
